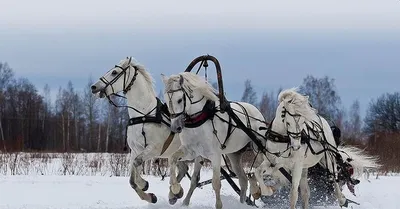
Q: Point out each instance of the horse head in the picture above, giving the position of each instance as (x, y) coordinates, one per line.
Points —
(291, 115)
(185, 95)
(119, 78)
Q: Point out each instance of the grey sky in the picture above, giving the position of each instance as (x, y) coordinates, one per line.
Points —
(273, 43)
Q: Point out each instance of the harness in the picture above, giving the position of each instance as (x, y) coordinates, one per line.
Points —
(208, 112)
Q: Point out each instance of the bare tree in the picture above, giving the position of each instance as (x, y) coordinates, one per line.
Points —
(60, 109)
(353, 124)
(323, 96)
(383, 115)
(6, 75)
(249, 94)
(268, 105)
(90, 113)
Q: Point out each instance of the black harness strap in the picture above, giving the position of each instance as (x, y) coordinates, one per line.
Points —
(148, 118)
(229, 132)
(160, 110)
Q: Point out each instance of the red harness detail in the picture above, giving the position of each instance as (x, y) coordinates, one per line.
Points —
(203, 115)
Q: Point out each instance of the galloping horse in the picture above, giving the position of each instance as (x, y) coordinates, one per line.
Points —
(149, 122)
(311, 142)
(205, 131)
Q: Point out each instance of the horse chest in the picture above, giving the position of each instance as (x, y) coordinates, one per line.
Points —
(199, 143)
(150, 134)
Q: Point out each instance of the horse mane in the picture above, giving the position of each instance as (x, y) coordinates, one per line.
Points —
(298, 102)
(194, 82)
(141, 69)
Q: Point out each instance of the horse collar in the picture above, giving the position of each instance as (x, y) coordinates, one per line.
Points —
(201, 117)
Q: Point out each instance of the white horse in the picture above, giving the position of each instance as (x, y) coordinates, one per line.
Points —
(308, 133)
(205, 131)
(148, 127)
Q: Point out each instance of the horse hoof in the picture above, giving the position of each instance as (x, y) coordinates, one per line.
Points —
(153, 198)
(256, 195)
(173, 200)
(146, 186)
(180, 194)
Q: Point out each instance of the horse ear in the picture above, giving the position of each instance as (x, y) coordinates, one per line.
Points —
(164, 78)
(180, 80)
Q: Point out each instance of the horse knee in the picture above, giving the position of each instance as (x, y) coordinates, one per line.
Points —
(132, 182)
(216, 184)
(137, 162)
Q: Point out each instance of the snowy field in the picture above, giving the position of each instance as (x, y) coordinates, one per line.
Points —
(101, 192)
(100, 181)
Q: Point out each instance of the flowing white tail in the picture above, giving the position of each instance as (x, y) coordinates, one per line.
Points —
(359, 159)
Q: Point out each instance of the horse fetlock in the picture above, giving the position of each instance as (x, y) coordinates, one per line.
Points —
(343, 202)
(218, 204)
(132, 183)
(146, 186)
(176, 188)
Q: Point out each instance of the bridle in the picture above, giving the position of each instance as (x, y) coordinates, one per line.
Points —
(187, 95)
(126, 87)
(296, 117)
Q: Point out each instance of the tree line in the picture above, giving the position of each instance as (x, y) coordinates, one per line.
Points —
(75, 122)
(80, 122)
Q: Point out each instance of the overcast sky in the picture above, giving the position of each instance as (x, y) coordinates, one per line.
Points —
(273, 43)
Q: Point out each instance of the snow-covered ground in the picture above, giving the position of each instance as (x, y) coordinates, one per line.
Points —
(101, 192)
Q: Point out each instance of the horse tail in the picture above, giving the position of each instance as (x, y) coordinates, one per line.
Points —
(358, 159)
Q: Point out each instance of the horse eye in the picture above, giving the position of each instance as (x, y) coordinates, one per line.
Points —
(114, 72)
(179, 101)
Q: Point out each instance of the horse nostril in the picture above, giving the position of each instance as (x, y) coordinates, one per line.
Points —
(179, 129)
(93, 87)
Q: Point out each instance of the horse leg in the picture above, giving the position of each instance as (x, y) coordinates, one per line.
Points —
(183, 168)
(236, 161)
(216, 179)
(255, 190)
(305, 189)
(194, 181)
(258, 173)
(175, 189)
(296, 176)
(139, 160)
(150, 197)
(343, 202)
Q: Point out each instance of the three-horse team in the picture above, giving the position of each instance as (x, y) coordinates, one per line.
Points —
(198, 122)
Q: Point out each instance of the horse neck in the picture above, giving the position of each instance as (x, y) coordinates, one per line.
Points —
(278, 127)
(141, 97)
(195, 108)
